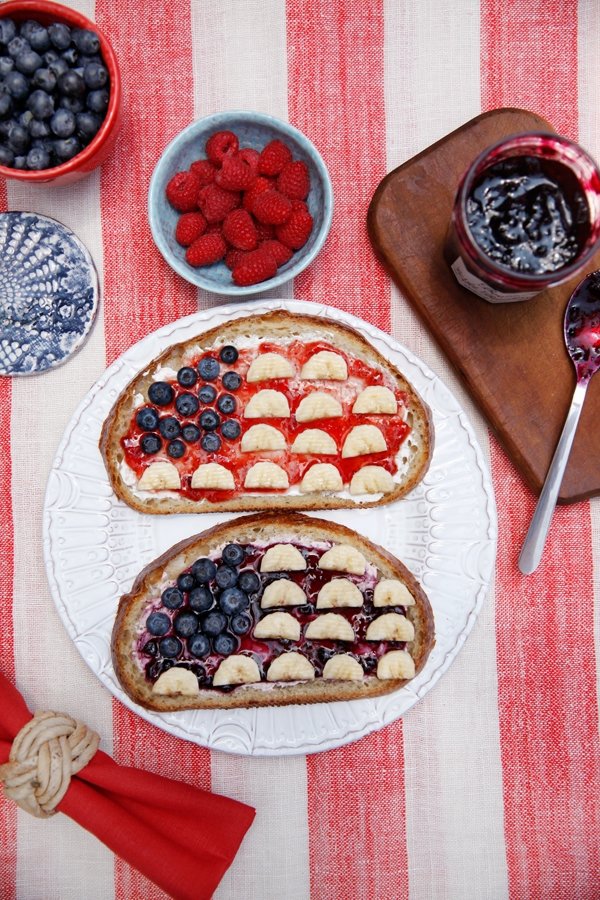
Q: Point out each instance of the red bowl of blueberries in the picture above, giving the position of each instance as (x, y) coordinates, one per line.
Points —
(60, 93)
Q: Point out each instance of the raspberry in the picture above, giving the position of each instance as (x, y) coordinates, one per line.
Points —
(204, 169)
(256, 266)
(235, 174)
(264, 232)
(273, 158)
(294, 181)
(260, 184)
(296, 231)
(182, 191)
(272, 208)
(209, 248)
(234, 257)
(221, 144)
(189, 227)
(215, 203)
(239, 230)
(281, 253)
(250, 156)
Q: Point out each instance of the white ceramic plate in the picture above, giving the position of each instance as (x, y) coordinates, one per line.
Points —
(94, 546)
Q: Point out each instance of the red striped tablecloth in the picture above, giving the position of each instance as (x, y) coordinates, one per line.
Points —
(490, 787)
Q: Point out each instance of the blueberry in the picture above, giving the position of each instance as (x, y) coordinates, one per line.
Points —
(38, 158)
(158, 624)
(18, 45)
(226, 404)
(60, 35)
(95, 76)
(211, 442)
(214, 623)
(20, 162)
(249, 581)
(233, 555)
(233, 601)
(18, 139)
(28, 27)
(25, 119)
(231, 381)
(7, 64)
(67, 148)
(172, 598)
(71, 84)
(305, 610)
(75, 105)
(170, 647)
(186, 405)
(58, 67)
(176, 449)
(70, 56)
(226, 576)
(39, 38)
(169, 427)
(5, 126)
(190, 433)
(324, 654)
(28, 61)
(62, 123)
(150, 443)
(228, 355)
(200, 599)
(225, 644)
(6, 105)
(209, 420)
(150, 648)
(88, 124)
(17, 85)
(199, 646)
(50, 56)
(97, 101)
(38, 129)
(186, 582)
(207, 394)
(187, 377)
(231, 429)
(7, 157)
(147, 418)
(86, 41)
(204, 570)
(44, 79)
(209, 368)
(241, 624)
(186, 624)
(41, 104)
(8, 30)
(160, 393)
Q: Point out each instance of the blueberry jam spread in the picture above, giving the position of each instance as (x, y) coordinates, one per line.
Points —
(54, 92)
(528, 214)
(211, 610)
(582, 327)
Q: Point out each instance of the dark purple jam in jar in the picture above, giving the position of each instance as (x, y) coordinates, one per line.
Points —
(526, 217)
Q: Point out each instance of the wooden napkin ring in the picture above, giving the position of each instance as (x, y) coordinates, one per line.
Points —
(44, 755)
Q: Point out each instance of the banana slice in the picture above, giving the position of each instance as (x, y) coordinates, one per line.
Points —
(283, 558)
(290, 667)
(214, 477)
(267, 404)
(282, 593)
(236, 669)
(160, 476)
(339, 592)
(321, 477)
(325, 366)
(390, 627)
(344, 558)
(377, 400)
(363, 439)
(372, 480)
(268, 366)
(176, 681)
(329, 627)
(316, 441)
(278, 625)
(396, 664)
(266, 475)
(262, 437)
(389, 592)
(318, 405)
(343, 667)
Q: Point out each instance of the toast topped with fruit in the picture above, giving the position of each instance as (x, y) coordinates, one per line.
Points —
(279, 410)
(269, 610)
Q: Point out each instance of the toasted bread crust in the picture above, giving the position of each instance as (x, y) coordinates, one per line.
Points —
(268, 526)
(262, 327)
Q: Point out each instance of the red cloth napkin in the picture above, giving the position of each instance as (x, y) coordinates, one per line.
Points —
(182, 838)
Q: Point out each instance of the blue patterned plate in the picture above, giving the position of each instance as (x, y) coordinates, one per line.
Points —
(48, 293)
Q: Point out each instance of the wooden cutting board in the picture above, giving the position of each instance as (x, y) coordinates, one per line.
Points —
(511, 356)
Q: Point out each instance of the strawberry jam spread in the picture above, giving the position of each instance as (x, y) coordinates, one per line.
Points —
(202, 419)
(196, 622)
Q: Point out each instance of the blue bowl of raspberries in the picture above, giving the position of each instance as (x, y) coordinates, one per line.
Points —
(240, 202)
(60, 93)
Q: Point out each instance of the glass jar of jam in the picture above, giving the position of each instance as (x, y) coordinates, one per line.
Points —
(526, 217)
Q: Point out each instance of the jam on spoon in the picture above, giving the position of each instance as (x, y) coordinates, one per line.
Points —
(582, 338)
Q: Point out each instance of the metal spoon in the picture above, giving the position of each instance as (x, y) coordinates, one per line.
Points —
(582, 337)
